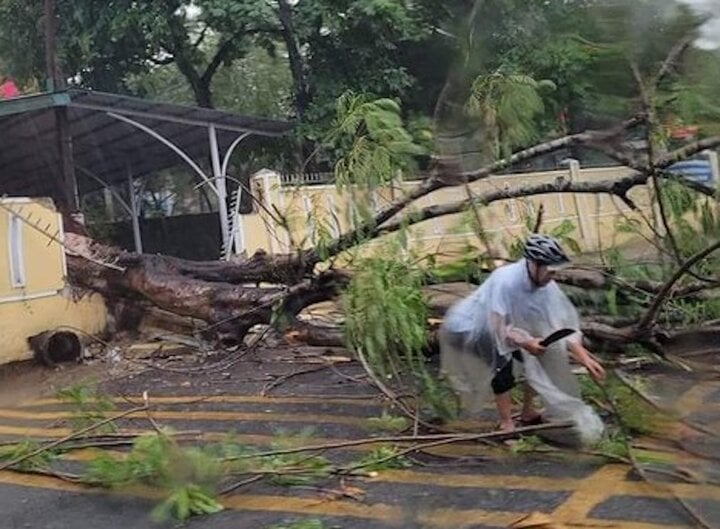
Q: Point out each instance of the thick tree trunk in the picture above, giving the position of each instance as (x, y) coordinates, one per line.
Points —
(225, 295)
(297, 66)
(229, 298)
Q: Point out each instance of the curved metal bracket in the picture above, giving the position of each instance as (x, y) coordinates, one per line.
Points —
(99, 180)
(170, 144)
(228, 154)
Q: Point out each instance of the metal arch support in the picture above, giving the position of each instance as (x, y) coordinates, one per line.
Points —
(226, 223)
(137, 234)
(170, 144)
(132, 208)
(231, 149)
(220, 185)
(99, 180)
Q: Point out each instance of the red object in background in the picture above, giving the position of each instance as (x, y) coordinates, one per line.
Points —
(683, 132)
(8, 89)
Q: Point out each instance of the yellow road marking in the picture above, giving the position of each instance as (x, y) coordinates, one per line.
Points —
(440, 518)
(225, 399)
(592, 523)
(610, 481)
(41, 482)
(613, 473)
(312, 505)
(693, 400)
(309, 418)
(459, 519)
(507, 482)
(541, 483)
(27, 431)
(590, 492)
(263, 503)
(479, 480)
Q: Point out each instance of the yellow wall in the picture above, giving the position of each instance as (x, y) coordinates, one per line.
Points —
(43, 302)
(594, 216)
(21, 319)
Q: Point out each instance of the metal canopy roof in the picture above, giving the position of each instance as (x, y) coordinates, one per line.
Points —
(104, 143)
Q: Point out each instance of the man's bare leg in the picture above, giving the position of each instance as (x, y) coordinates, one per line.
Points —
(528, 413)
(503, 401)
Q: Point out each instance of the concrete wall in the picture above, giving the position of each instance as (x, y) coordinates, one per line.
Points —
(307, 206)
(33, 293)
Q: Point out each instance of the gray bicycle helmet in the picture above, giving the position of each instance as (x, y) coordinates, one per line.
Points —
(544, 250)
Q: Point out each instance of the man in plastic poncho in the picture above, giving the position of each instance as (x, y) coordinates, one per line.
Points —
(517, 306)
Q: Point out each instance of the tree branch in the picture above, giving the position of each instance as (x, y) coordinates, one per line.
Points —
(221, 54)
(657, 303)
(449, 179)
(619, 188)
(618, 155)
(297, 68)
(672, 57)
(201, 37)
(687, 151)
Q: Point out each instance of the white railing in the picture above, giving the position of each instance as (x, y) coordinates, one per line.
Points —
(293, 179)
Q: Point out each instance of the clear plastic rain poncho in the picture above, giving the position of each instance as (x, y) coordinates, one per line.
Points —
(480, 333)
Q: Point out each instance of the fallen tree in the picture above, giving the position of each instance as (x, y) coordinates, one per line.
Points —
(229, 298)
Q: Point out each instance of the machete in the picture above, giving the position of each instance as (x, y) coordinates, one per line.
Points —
(548, 340)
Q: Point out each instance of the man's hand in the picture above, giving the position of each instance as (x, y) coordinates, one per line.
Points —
(533, 347)
(597, 372)
(585, 358)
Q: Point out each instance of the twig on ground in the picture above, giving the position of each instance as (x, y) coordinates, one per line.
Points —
(150, 418)
(65, 476)
(284, 378)
(212, 368)
(432, 438)
(72, 436)
(240, 484)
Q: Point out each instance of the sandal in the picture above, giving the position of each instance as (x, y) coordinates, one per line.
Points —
(535, 421)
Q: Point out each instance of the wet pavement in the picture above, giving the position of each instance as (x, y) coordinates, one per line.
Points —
(265, 397)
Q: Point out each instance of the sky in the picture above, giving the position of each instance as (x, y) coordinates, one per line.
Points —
(711, 30)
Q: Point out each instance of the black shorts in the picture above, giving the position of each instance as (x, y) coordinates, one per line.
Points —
(504, 379)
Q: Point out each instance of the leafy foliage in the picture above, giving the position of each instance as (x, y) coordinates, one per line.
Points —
(88, 407)
(388, 423)
(562, 232)
(384, 458)
(383, 48)
(188, 476)
(508, 104)
(527, 444)
(376, 145)
(98, 43)
(15, 451)
(614, 445)
(257, 83)
(386, 323)
(633, 412)
(186, 501)
(692, 221)
(285, 470)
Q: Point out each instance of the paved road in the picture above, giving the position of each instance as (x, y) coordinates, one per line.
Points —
(457, 486)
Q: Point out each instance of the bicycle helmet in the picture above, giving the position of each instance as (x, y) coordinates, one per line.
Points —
(544, 250)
